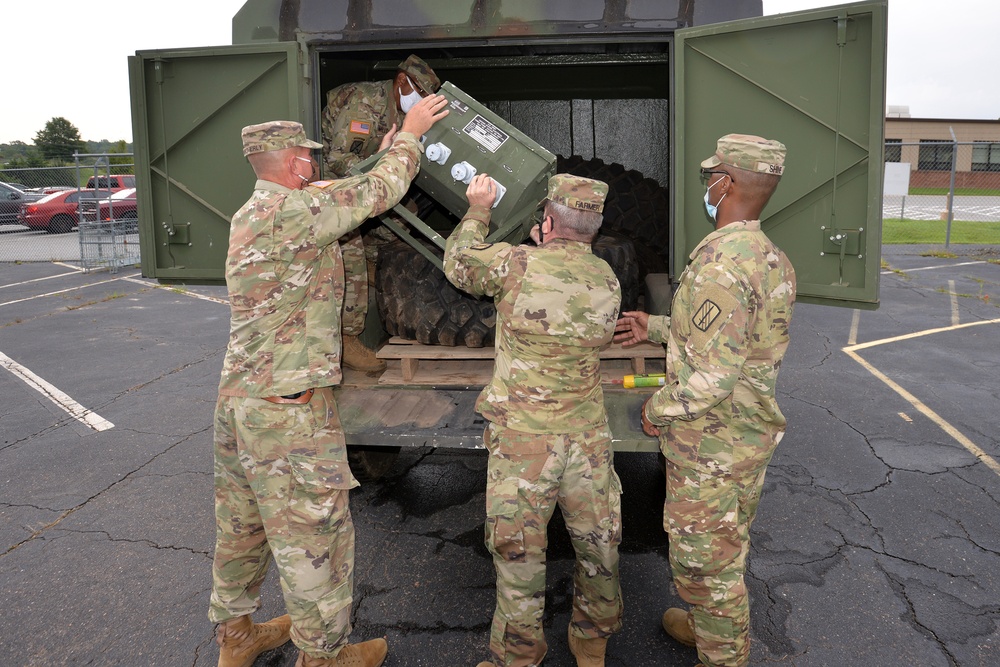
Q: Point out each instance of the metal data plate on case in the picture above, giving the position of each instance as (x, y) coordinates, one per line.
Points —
(472, 140)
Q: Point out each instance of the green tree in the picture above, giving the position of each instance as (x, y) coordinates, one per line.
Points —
(117, 148)
(59, 139)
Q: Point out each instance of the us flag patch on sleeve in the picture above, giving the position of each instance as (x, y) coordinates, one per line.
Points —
(360, 127)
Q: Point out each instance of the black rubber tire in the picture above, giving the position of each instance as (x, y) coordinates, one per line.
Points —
(619, 252)
(636, 207)
(61, 224)
(416, 302)
(371, 463)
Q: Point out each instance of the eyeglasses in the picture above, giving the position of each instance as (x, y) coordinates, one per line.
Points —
(707, 173)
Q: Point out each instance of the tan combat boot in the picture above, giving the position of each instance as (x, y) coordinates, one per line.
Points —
(366, 654)
(241, 640)
(679, 625)
(359, 357)
(486, 664)
(588, 652)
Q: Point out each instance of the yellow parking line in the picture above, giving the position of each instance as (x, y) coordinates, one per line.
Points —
(975, 450)
(855, 320)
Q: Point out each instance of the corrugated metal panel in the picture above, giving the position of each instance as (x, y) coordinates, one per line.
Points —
(815, 81)
(188, 109)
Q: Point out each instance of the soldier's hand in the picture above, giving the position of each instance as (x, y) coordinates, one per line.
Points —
(648, 427)
(424, 114)
(632, 328)
(387, 139)
(482, 191)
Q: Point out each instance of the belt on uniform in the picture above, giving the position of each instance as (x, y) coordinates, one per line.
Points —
(295, 399)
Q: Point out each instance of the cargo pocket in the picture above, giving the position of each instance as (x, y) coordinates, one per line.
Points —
(318, 497)
(504, 523)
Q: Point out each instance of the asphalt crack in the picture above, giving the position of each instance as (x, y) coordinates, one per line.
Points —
(52, 524)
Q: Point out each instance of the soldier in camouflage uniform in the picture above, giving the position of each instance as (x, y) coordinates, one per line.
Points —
(281, 472)
(717, 416)
(548, 435)
(357, 121)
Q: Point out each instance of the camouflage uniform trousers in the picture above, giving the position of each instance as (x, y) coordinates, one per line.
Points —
(528, 474)
(281, 487)
(708, 515)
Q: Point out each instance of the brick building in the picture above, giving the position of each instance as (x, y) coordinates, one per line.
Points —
(927, 145)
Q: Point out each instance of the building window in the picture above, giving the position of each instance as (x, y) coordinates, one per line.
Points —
(935, 155)
(985, 156)
(893, 150)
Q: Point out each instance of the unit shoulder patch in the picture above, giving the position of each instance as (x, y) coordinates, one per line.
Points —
(713, 308)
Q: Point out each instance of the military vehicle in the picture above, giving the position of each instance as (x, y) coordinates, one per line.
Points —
(632, 92)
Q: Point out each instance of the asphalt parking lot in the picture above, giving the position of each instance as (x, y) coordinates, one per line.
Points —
(876, 543)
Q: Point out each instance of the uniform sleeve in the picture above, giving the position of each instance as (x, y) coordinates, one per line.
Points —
(714, 349)
(470, 264)
(342, 205)
(658, 328)
(337, 140)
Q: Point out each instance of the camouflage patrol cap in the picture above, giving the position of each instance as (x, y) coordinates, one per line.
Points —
(577, 192)
(746, 151)
(275, 135)
(421, 74)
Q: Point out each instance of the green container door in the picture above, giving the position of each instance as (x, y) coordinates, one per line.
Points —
(815, 81)
(188, 107)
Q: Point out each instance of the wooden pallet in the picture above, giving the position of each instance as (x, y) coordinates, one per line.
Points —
(436, 364)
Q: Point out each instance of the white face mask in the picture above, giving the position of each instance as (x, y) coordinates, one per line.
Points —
(713, 209)
(406, 102)
(304, 179)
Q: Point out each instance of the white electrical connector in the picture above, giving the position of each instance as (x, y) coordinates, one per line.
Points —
(463, 172)
(438, 153)
(501, 191)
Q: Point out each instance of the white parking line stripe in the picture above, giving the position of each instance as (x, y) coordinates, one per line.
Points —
(931, 268)
(62, 291)
(60, 398)
(954, 302)
(35, 280)
(942, 266)
(974, 449)
(917, 334)
(78, 269)
(173, 288)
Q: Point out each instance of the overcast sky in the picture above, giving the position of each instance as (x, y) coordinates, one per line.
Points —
(74, 63)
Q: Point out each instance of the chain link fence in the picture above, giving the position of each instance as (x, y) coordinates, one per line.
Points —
(82, 213)
(939, 193)
(943, 193)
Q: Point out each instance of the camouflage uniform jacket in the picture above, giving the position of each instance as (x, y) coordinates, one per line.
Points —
(356, 117)
(726, 337)
(556, 306)
(285, 275)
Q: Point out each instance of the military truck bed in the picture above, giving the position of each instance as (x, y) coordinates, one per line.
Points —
(435, 407)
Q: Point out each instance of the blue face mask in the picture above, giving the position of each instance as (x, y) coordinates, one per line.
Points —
(713, 210)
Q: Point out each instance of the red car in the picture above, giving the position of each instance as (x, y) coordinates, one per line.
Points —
(119, 208)
(56, 212)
